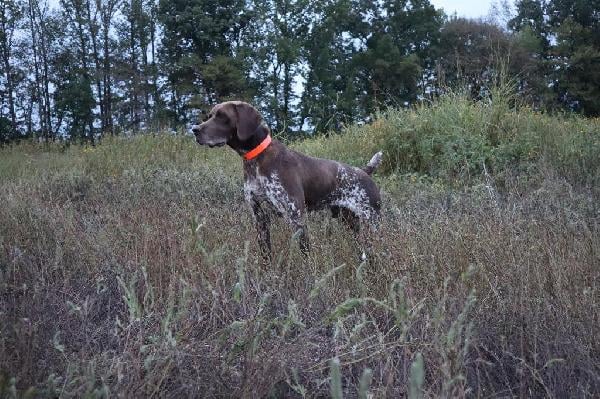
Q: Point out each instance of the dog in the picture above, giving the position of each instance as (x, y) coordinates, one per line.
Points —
(278, 180)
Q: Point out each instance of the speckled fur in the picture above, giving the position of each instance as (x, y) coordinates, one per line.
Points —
(268, 189)
(351, 195)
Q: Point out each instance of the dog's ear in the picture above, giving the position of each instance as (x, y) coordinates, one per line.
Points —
(248, 120)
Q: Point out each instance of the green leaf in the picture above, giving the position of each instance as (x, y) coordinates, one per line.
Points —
(417, 378)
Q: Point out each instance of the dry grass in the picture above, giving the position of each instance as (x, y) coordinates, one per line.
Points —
(131, 269)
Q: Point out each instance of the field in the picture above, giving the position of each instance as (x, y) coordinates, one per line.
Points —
(131, 268)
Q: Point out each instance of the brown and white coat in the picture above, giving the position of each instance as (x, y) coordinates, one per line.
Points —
(280, 181)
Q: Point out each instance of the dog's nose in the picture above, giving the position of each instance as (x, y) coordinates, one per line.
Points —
(196, 129)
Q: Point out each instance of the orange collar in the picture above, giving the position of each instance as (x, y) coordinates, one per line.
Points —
(256, 151)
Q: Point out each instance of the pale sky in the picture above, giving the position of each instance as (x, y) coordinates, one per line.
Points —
(465, 8)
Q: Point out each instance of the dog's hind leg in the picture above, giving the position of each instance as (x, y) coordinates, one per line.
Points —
(335, 213)
(351, 220)
(364, 230)
(368, 235)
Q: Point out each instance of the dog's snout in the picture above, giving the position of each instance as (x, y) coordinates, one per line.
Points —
(196, 129)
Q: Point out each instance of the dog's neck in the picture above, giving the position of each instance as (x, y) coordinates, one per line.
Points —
(243, 147)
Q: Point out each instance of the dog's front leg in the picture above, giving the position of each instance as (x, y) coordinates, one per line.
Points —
(303, 238)
(296, 217)
(262, 219)
(299, 225)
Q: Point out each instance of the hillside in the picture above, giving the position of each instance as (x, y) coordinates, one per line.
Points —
(131, 268)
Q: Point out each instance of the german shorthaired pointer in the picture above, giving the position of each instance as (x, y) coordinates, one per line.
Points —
(282, 181)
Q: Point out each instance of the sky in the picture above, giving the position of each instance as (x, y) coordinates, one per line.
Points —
(465, 8)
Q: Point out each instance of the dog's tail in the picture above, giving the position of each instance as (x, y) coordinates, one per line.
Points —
(373, 163)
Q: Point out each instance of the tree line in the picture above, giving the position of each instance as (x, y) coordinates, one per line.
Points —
(80, 69)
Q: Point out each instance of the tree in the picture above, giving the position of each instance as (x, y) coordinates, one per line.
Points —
(480, 55)
(7, 132)
(531, 16)
(82, 68)
(42, 32)
(10, 15)
(75, 87)
(338, 33)
(74, 97)
(576, 25)
(399, 52)
(570, 65)
(365, 55)
(278, 37)
(470, 51)
(132, 65)
(196, 35)
(99, 18)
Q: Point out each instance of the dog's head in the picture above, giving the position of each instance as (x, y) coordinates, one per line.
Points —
(227, 122)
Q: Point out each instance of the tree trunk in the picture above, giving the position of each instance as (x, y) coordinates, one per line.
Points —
(36, 67)
(106, 72)
(134, 68)
(287, 90)
(155, 94)
(83, 54)
(10, 90)
(46, 79)
(93, 28)
(6, 56)
(145, 78)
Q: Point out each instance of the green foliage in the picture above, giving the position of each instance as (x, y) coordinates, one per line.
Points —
(75, 102)
(417, 378)
(392, 75)
(359, 66)
(88, 68)
(329, 98)
(279, 37)
(455, 139)
(571, 64)
(530, 17)
(7, 132)
(528, 40)
(224, 77)
(335, 379)
(200, 42)
(583, 82)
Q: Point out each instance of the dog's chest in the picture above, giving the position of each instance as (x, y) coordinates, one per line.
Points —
(255, 185)
(269, 191)
(255, 188)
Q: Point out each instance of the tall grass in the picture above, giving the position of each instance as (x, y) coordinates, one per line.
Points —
(131, 268)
